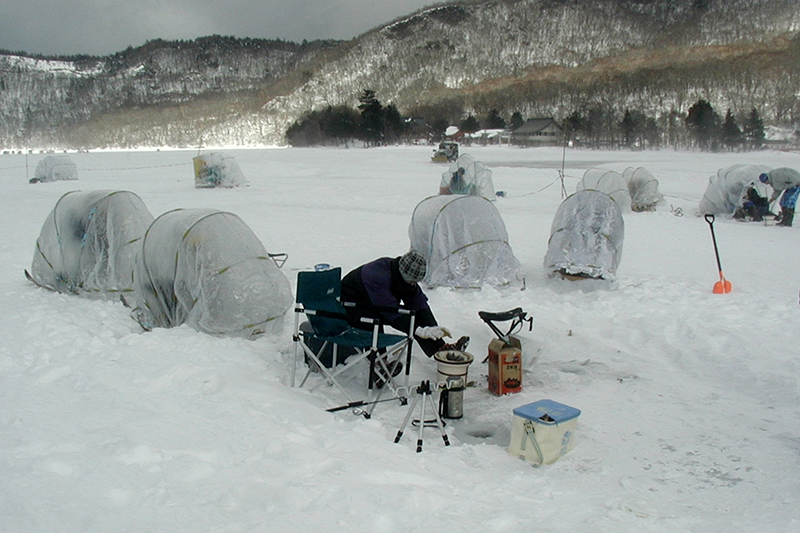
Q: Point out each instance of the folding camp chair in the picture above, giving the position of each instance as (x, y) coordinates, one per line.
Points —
(328, 328)
(516, 315)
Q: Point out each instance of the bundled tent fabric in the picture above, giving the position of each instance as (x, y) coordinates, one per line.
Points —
(207, 269)
(586, 237)
(467, 176)
(89, 242)
(643, 188)
(217, 170)
(607, 181)
(727, 189)
(55, 168)
(464, 241)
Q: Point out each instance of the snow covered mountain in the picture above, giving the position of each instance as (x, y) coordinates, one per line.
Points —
(45, 101)
(539, 57)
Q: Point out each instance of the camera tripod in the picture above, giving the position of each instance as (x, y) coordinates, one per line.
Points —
(424, 392)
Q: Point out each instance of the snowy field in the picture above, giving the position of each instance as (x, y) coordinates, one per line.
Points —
(689, 399)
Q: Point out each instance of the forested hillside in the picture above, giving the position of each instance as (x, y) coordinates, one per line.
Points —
(46, 101)
(534, 57)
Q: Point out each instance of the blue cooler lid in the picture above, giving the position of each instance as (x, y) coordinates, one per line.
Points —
(547, 412)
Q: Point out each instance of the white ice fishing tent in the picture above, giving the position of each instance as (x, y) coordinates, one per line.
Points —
(55, 168)
(586, 237)
(207, 269)
(468, 176)
(608, 181)
(464, 241)
(643, 188)
(89, 242)
(215, 169)
(727, 188)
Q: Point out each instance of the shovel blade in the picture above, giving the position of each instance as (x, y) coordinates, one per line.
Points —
(723, 286)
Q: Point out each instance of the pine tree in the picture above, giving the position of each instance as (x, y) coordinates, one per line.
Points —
(339, 124)
(516, 120)
(703, 123)
(395, 126)
(597, 125)
(438, 128)
(373, 124)
(674, 133)
(305, 131)
(650, 133)
(731, 134)
(754, 130)
(574, 124)
(633, 126)
(469, 125)
(494, 121)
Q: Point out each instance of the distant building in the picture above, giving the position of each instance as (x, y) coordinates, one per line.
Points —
(452, 133)
(538, 132)
(486, 137)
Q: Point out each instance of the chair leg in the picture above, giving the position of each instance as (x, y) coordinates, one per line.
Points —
(389, 370)
(330, 377)
(409, 348)
(296, 340)
(373, 375)
(314, 361)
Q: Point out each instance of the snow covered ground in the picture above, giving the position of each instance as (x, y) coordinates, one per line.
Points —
(689, 399)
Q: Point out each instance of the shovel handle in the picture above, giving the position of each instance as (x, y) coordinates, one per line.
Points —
(710, 219)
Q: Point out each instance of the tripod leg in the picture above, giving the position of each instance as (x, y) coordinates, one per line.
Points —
(421, 421)
(408, 417)
(439, 422)
(374, 403)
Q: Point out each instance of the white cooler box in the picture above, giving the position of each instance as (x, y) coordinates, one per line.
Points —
(543, 431)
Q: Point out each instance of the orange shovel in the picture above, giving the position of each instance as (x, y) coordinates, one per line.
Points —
(723, 286)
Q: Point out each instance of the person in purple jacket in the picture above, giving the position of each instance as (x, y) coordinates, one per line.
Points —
(394, 282)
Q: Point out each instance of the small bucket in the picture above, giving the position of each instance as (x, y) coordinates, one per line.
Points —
(453, 365)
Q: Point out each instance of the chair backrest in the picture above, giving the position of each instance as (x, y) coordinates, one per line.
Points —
(319, 291)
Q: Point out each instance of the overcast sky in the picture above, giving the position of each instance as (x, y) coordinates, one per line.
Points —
(103, 27)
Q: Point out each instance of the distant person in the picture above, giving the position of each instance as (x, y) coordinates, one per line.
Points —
(787, 181)
(394, 282)
(754, 206)
(457, 184)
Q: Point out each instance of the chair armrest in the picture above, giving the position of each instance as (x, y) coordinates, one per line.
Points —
(373, 309)
(333, 314)
(380, 308)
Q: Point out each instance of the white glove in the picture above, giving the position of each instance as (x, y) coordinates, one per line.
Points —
(432, 332)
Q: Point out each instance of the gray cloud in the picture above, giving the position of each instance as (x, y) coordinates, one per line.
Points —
(102, 27)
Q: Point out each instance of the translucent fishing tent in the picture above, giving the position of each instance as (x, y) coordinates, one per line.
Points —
(467, 176)
(55, 168)
(464, 240)
(89, 242)
(608, 181)
(586, 237)
(215, 169)
(643, 189)
(207, 269)
(726, 190)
